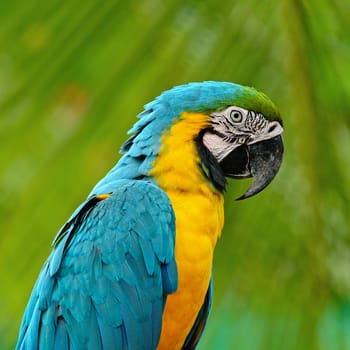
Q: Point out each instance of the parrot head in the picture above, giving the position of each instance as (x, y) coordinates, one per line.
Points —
(245, 143)
(241, 139)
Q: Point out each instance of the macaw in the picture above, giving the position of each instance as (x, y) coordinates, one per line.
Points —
(132, 267)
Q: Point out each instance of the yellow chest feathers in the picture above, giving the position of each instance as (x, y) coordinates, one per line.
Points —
(199, 219)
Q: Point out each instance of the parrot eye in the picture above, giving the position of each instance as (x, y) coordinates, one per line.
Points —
(236, 116)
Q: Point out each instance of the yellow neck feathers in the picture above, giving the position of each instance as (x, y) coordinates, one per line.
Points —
(176, 166)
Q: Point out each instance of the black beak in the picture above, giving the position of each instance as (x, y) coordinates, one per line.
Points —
(260, 160)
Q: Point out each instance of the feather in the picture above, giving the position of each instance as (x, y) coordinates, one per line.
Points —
(110, 335)
(48, 329)
(169, 277)
(148, 255)
(110, 311)
(57, 255)
(61, 337)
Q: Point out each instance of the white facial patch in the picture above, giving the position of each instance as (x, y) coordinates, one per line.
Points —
(218, 146)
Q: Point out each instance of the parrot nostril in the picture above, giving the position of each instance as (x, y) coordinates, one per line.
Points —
(272, 128)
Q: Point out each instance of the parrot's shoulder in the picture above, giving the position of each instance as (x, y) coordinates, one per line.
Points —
(125, 193)
(134, 207)
(107, 278)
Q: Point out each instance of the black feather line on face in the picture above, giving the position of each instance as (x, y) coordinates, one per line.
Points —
(209, 165)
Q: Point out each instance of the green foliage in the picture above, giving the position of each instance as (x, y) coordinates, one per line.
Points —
(72, 79)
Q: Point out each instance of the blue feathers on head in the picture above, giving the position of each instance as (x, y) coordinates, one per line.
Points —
(205, 97)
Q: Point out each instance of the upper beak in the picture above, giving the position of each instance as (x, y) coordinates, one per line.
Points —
(260, 160)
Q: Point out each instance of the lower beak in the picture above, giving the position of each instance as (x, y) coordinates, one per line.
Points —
(260, 160)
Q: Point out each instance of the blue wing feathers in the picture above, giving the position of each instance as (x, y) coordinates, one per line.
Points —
(107, 279)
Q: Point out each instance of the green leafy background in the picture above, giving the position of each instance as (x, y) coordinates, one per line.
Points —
(73, 76)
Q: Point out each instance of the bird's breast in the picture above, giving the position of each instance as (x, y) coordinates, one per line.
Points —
(199, 215)
(198, 224)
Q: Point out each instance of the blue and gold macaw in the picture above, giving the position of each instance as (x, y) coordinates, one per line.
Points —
(132, 267)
